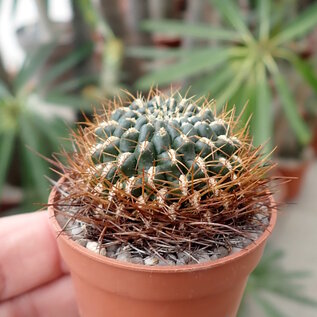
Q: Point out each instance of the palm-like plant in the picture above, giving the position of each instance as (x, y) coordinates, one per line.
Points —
(108, 83)
(26, 127)
(270, 278)
(244, 63)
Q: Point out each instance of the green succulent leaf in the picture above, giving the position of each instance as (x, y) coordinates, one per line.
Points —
(162, 53)
(75, 83)
(200, 31)
(94, 18)
(264, 19)
(269, 277)
(301, 25)
(211, 83)
(268, 307)
(66, 64)
(292, 294)
(233, 15)
(232, 87)
(38, 167)
(263, 115)
(271, 257)
(189, 66)
(54, 130)
(306, 71)
(56, 98)
(31, 65)
(6, 147)
(4, 92)
(290, 108)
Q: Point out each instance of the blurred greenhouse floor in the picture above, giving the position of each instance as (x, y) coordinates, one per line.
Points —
(296, 235)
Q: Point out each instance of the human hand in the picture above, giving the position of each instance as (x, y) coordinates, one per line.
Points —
(33, 279)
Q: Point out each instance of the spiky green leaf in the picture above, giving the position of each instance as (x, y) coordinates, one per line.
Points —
(306, 71)
(6, 148)
(189, 66)
(160, 53)
(263, 116)
(264, 18)
(232, 13)
(75, 83)
(290, 108)
(4, 92)
(268, 307)
(30, 146)
(236, 82)
(199, 31)
(291, 293)
(33, 62)
(76, 102)
(211, 83)
(302, 24)
(67, 63)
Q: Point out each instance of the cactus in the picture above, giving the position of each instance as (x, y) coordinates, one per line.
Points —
(165, 171)
(163, 144)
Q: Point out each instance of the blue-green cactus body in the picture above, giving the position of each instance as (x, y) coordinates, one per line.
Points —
(164, 143)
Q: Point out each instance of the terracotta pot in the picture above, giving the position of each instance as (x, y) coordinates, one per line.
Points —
(107, 287)
(297, 174)
(314, 141)
(296, 170)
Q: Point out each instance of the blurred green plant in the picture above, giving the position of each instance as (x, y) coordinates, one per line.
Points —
(271, 278)
(26, 124)
(108, 84)
(242, 63)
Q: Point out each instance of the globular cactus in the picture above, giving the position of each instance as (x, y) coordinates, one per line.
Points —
(162, 145)
(165, 171)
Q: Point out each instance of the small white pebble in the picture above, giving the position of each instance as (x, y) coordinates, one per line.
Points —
(103, 252)
(254, 235)
(260, 217)
(77, 230)
(82, 242)
(214, 257)
(92, 246)
(180, 262)
(201, 256)
(266, 221)
(151, 260)
(235, 250)
(245, 242)
(124, 256)
(166, 262)
(221, 252)
(112, 248)
(136, 260)
(183, 257)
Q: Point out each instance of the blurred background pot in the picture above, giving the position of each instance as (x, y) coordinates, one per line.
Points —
(107, 287)
(295, 169)
(293, 159)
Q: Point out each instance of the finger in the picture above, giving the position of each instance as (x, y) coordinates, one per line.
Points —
(29, 256)
(51, 300)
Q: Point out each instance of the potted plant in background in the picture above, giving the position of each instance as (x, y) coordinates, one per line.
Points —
(270, 277)
(238, 63)
(310, 114)
(33, 115)
(162, 209)
(293, 159)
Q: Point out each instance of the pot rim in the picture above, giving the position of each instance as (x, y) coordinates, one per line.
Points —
(158, 269)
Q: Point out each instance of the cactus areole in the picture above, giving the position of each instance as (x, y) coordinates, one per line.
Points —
(165, 173)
